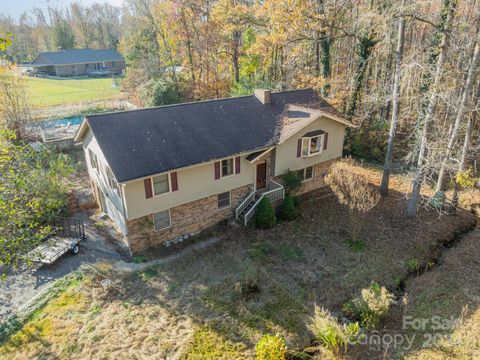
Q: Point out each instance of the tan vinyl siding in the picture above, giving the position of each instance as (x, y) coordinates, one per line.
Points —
(194, 183)
(286, 152)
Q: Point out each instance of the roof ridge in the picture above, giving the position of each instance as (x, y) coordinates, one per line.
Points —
(194, 102)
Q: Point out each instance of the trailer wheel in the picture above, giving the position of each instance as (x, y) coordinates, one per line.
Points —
(75, 249)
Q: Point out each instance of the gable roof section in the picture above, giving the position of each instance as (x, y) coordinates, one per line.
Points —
(76, 56)
(146, 142)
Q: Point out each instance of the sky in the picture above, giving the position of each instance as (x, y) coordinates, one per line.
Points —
(15, 8)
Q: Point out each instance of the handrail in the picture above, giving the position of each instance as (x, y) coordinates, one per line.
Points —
(272, 195)
(244, 204)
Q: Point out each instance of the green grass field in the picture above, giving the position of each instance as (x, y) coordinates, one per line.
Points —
(50, 92)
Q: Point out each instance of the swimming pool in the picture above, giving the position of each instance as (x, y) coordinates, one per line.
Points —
(73, 121)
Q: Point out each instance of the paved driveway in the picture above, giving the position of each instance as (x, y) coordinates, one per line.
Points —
(22, 286)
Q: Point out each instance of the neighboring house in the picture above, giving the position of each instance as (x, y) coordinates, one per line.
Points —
(171, 171)
(79, 62)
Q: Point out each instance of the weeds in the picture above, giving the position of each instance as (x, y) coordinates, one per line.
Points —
(270, 347)
(355, 245)
(332, 336)
(371, 306)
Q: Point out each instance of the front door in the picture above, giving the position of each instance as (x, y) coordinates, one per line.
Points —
(262, 176)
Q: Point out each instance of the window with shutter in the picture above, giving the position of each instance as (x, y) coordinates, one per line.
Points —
(227, 167)
(314, 145)
(161, 184)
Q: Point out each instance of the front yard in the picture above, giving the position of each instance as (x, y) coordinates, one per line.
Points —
(194, 308)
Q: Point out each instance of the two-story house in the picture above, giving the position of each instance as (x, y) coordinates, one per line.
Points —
(171, 171)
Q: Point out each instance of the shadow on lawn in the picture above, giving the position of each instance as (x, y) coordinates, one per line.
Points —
(322, 271)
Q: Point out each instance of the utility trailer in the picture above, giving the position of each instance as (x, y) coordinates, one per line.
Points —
(66, 237)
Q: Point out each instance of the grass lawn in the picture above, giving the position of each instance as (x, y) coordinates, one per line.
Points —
(49, 92)
(191, 308)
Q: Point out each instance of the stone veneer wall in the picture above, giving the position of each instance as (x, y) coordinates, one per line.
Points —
(319, 172)
(186, 219)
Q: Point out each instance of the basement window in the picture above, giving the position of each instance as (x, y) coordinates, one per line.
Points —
(227, 167)
(161, 220)
(306, 173)
(224, 200)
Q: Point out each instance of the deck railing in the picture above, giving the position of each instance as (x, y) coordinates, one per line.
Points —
(277, 193)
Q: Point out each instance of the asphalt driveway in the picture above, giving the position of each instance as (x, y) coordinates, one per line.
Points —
(22, 286)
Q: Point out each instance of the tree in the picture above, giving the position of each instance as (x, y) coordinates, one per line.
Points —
(31, 194)
(460, 111)
(352, 191)
(396, 108)
(288, 210)
(63, 36)
(265, 215)
(421, 163)
(14, 109)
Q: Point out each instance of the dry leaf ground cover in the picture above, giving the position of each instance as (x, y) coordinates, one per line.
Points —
(192, 308)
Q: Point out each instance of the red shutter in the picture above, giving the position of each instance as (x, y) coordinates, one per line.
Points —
(148, 188)
(325, 140)
(299, 148)
(217, 170)
(173, 180)
(237, 165)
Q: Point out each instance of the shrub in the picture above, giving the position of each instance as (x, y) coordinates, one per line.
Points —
(292, 182)
(265, 215)
(353, 191)
(249, 286)
(288, 211)
(270, 347)
(371, 306)
(332, 335)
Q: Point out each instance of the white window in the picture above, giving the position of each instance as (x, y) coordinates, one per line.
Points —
(227, 167)
(224, 200)
(305, 174)
(161, 184)
(111, 179)
(93, 159)
(161, 220)
(312, 145)
(309, 173)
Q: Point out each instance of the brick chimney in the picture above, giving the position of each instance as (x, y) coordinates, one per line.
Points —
(264, 95)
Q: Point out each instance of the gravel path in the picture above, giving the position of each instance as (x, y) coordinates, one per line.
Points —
(17, 289)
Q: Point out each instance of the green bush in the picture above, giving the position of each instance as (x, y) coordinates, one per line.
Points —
(291, 181)
(265, 215)
(270, 347)
(371, 306)
(332, 335)
(288, 211)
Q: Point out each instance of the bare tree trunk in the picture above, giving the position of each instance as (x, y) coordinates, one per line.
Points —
(421, 163)
(458, 118)
(396, 95)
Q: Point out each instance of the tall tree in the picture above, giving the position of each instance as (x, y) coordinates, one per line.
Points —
(427, 123)
(396, 107)
(63, 36)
